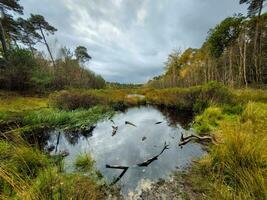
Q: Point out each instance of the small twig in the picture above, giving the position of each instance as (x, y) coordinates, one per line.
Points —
(115, 129)
(129, 123)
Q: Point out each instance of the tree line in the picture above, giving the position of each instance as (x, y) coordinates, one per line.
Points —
(23, 67)
(234, 53)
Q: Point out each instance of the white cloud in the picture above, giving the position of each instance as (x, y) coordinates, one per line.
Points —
(129, 40)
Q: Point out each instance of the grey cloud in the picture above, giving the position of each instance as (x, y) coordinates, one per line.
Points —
(129, 40)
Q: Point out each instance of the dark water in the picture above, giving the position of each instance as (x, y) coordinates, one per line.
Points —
(127, 148)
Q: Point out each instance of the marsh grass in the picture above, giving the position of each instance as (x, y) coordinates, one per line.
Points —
(236, 168)
(84, 163)
(26, 173)
(238, 165)
(55, 118)
(246, 95)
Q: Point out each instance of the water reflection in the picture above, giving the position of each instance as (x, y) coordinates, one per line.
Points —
(128, 147)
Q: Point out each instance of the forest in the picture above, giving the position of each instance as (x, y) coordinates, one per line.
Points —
(234, 54)
(197, 131)
(23, 68)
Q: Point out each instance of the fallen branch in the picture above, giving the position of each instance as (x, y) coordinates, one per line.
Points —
(58, 138)
(129, 123)
(143, 164)
(185, 140)
(124, 168)
(115, 129)
(149, 161)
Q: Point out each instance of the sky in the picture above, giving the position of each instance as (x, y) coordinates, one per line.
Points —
(129, 40)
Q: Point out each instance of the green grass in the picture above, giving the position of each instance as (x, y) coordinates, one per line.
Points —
(210, 119)
(26, 173)
(84, 163)
(236, 168)
(13, 106)
(55, 118)
(255, 95)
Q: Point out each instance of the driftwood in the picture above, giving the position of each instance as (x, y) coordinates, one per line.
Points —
(115, 129)
(144, 138)
(124, 168)
(143, 164)
(58, 138)
(185, 140)
(149, 161)
(129, 123)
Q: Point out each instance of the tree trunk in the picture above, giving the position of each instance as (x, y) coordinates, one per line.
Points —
(47, 46)
(260, 43)
(29, 43)
(255, 53)
(3, 39)
(231, 66)
(256, 45)
(245, 60)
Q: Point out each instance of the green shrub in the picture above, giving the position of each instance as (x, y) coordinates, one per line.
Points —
(74, 99)
(217, 92)
(193, 98)
(18, 70)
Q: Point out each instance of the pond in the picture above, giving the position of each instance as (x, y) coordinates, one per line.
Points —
(132, 145)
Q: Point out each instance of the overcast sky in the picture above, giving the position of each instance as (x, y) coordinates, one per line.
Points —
(129, 40)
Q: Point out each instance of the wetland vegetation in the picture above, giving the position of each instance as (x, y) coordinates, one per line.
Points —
(56, 118)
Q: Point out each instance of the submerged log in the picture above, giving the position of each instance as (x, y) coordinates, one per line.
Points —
(129, 123)
(115, 129)
(185, 140)
(124, 168)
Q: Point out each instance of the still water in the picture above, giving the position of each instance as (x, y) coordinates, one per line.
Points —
(132, 145)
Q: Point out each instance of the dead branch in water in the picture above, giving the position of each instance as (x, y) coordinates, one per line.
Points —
(143, 164)
(129, 123)
(185, 140)
(115, 129)
(149, 161)
(124, 168)
(58, 138)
